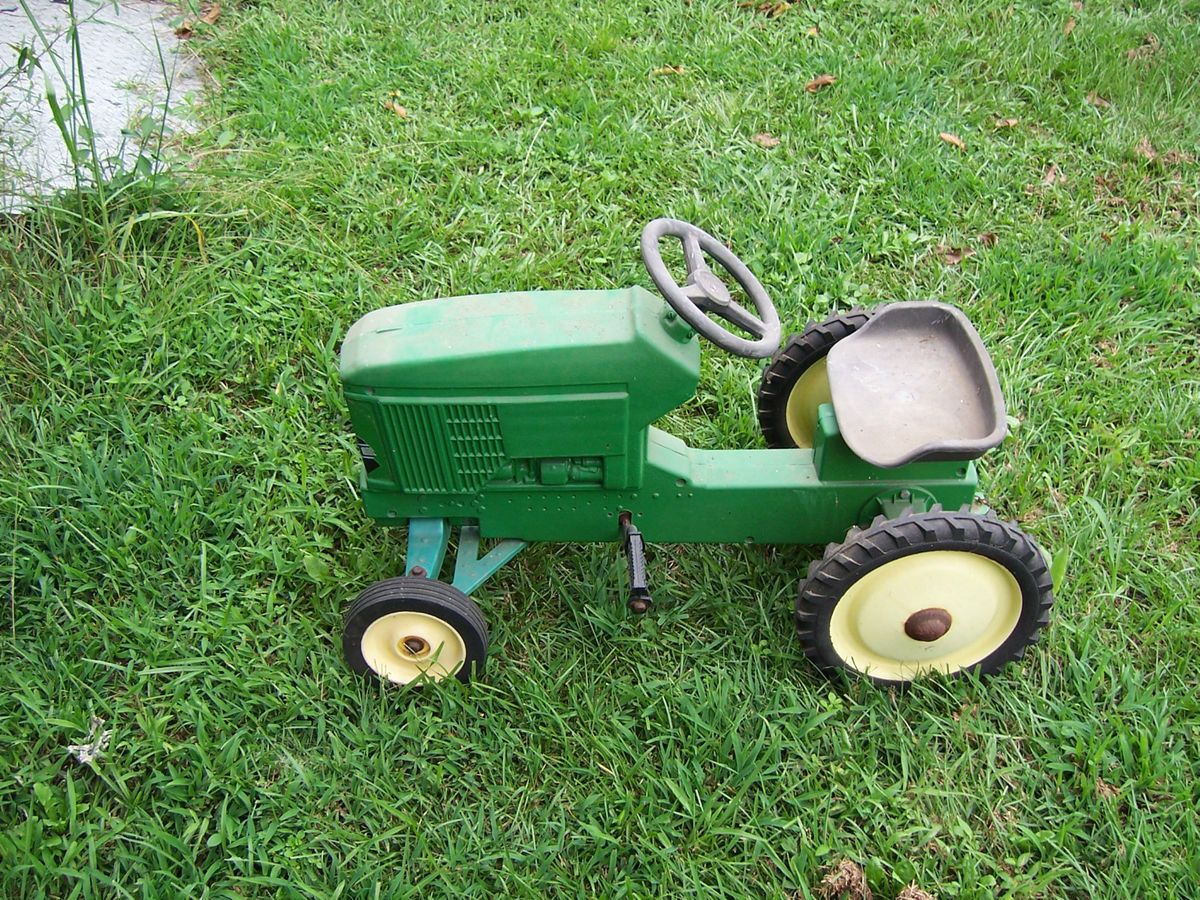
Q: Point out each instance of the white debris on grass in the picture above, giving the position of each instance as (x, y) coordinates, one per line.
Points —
(97, 741)
(130, 56)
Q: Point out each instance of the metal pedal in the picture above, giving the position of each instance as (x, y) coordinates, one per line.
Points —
(634, 546)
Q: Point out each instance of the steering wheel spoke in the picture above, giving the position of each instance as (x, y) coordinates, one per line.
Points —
(706, 296)
(693, 256)
(736, 314)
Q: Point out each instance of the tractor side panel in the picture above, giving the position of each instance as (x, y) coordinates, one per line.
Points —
(577, 424)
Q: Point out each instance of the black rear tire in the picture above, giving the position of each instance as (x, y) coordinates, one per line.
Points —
(787, 367)
(1007, 614)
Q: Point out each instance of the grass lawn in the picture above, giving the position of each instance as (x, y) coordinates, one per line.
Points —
(180, 530)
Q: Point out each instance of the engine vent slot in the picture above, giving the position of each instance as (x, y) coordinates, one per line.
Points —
(450, 448)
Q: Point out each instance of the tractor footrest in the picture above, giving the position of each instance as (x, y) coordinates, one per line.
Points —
(634, 546)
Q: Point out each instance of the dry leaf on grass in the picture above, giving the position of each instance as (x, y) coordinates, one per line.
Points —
(813, 31)
(1104, 360)
(668, 70)
(953, 139)
(968, 710)
(772, 9)
(1148, 47)
(1069, 25)
(1052, 177)
(1106, 790)
(763, 139)
(1096, 100)
(392, 104)
(846, 880)
(988, 239)
(821, 81)
(1105, 191)
(1006, 123)
(1146, 150)
(187, 27)
(912, 892)
(952, 256)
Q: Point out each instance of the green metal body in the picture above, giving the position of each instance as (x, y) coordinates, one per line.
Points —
(529, 416)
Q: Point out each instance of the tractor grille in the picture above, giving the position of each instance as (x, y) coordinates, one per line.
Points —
(451, 448)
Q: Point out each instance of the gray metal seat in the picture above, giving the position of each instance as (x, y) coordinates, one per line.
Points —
(916, 383)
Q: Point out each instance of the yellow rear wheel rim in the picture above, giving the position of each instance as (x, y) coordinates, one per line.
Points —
(980, 596)
(403, 646)
(809, 392)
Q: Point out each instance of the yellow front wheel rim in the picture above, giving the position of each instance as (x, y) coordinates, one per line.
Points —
(970, 603)
(809, 392)
(403, 646)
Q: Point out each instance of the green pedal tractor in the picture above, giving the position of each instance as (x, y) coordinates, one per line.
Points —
(524, 417)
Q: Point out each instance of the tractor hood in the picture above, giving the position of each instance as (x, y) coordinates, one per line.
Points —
(498, 343)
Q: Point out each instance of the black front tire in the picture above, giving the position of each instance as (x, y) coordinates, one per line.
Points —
(410, 630)
(882, 625)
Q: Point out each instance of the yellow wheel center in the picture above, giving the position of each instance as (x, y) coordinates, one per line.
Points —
(403, 646)
(808, 393)
(937, 611)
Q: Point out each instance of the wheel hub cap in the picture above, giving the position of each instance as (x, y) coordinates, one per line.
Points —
(414, 646)
(714, 289)
(928, 624)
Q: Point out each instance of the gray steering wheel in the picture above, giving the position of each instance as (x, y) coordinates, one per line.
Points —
(705, 293)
